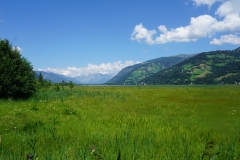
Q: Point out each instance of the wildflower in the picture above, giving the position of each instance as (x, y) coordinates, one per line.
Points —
(92, 151)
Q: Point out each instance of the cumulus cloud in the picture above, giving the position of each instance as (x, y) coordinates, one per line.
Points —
(142, 33)
(104, 68)
(199, 27)
(229, 7)
(231, 39)
(205, 2)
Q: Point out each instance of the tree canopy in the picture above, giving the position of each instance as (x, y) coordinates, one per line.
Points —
(17, 79)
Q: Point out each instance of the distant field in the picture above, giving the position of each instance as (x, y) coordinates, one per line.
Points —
(124, 123)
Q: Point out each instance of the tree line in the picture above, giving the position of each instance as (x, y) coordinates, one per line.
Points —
(43, 83)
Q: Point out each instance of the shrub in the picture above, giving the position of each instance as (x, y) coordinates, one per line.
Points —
(71, 84)
(17, 79)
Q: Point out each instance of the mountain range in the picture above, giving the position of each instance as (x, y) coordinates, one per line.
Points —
(94, 78)
(83, 79)
(132, 75)
(214, 67)
(129, 75)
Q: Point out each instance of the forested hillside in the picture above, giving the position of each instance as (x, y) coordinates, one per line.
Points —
(132, 75)
(222, 66)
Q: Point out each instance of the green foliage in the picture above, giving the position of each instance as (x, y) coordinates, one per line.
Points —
(64, 83)
(16, 73)
(210, 151)
(71, 84)
(57, 87)
(143, 122)
(42, 83)
(40, 79)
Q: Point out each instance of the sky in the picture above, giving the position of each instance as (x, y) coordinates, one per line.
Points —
(80, 37)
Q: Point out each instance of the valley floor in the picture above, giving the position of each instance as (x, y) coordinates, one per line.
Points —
(124, 122)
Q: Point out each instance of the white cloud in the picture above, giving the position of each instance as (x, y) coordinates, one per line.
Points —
(103, 68)
(199, 27)
(232, 39)
(229, 7)
(142, 33)
(18, 49)
(231, 23)
(166, 49)
(205, 2)
(162, 29)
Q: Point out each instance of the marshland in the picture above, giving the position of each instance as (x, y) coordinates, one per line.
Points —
(123, 122)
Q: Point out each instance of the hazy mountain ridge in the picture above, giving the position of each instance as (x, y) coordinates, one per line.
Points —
(134, 74)
(83, 79)
(56, 78)
(221, 66)
(94, 78)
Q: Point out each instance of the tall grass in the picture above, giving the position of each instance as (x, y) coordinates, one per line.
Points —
(160, 122)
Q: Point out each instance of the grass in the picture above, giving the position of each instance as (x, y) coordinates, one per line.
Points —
(200, 71)
(227, 75)
(218, 56)
(220, 64)
(203, 74)
(142, 73)
(137, 74)
(108, 122)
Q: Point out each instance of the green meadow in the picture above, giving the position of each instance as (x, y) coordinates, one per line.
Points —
(123, 123)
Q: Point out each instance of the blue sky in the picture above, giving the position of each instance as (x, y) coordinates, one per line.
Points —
(76, 37)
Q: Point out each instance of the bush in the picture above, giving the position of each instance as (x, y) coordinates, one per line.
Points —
(71, 84)
(17, 79)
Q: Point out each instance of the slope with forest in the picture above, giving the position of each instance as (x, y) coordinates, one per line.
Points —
(222, 66)
(134, 74)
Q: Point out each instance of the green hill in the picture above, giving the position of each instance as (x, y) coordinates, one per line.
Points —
(213, 67)
(132, 75)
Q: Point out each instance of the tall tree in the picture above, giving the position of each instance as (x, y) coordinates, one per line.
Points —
(71, 84)
(40, 78)
(17, 79)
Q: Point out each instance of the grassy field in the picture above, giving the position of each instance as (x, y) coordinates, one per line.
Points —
(124, 123)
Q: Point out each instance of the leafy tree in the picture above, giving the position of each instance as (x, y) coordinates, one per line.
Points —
(48, 83)
(71, 84)
(41, 82)
(40, 78)
(17, 79)
(63, 84)
(57, 87)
